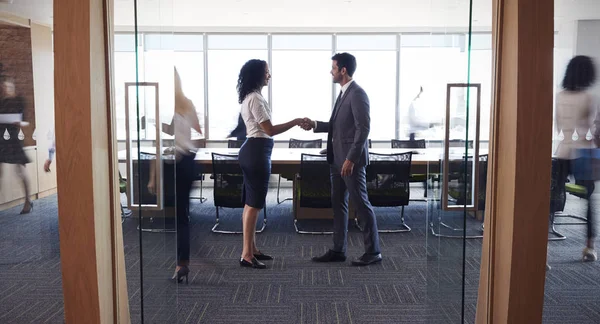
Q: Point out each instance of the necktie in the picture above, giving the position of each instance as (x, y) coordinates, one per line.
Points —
(337, 102)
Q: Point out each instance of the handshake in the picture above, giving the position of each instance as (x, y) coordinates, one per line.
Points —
(305, 123)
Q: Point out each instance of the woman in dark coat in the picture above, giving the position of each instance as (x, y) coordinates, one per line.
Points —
(11, 146)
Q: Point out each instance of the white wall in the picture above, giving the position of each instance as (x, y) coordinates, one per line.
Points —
(588, 43)
(43, 85)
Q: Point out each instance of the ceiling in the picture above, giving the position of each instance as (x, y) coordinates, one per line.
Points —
(202, 14)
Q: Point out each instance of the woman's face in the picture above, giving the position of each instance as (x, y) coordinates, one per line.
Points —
(267, 75)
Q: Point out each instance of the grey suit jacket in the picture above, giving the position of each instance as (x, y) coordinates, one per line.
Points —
(348, 128)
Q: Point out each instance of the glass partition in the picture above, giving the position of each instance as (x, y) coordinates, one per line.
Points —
(428, 81)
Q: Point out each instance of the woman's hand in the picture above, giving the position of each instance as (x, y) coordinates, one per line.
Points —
(47, 165)
(151, 186)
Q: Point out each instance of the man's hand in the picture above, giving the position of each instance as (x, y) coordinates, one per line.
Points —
(47, 165)
(307, 124)
(347, 168)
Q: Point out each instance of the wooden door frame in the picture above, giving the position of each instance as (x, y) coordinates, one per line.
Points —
(513, 254)
(512, 277)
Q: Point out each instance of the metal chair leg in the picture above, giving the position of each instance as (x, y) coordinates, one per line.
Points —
(582, 219)
(215, 228)
(156, 230)
(301, 231)
(201, 198)
(356, 224)
(278, 187)
(470, 237)
(557, 235)
(432, 229)
(403, 227)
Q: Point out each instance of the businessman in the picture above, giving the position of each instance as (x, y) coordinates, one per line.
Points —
(348, 155)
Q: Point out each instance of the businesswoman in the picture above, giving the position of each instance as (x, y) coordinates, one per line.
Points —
(184, 120)
(255, 153)
(11, 147)
(576, 114)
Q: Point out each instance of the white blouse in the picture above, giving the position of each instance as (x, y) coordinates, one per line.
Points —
(255, 110)
(182, 123)
(576, 117)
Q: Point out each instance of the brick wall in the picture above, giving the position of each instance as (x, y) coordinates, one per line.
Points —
(15, 56)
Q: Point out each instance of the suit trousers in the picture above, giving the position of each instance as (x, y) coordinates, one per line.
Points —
(184, 177)
(354, 187)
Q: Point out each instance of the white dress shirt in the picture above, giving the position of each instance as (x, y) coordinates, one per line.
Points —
(344, 88)
(255, 110)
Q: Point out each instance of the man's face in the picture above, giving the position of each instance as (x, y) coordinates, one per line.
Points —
(336, 74)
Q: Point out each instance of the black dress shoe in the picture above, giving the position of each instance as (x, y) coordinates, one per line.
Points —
(330, 256)
(254, 264)
(263, 257)
(367, 259)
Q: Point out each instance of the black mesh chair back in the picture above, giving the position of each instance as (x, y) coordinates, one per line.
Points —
(295, 143)
(228, 181)
(388, 178)
(314, 185)
(416, 144)
(235, 143)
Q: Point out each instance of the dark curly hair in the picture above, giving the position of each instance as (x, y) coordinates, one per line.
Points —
(580, 74)
(252, 78)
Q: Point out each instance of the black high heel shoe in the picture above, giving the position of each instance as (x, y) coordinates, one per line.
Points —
(26, 210)
(263, 257)
(254, 264)
(179, 274)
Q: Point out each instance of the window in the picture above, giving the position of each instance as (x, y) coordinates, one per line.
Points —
(163, 53)
(156, 60)
(376, 73)
(124, 72)
(226, 56)
(300, 64)
(301, 83)
(431, 62)
(481, 72)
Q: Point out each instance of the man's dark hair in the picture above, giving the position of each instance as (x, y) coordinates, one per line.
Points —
(345, 60)
(580, 74)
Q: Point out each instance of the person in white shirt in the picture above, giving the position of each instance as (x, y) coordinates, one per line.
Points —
(576, 115)
(255, 153)
(415, 123)
(184, 120)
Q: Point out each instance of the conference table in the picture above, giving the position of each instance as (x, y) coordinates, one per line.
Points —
(287, 160)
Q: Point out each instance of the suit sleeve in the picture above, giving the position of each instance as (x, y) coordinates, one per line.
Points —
(362, 124)
(321, 127)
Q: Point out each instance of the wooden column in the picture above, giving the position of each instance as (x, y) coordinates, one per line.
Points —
(514, 249)
(89, 224)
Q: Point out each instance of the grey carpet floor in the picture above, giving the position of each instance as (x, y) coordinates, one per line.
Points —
(419, 281)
